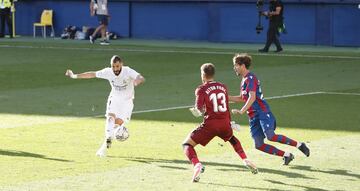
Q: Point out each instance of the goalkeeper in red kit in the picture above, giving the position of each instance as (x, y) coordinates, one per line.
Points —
(212, 104)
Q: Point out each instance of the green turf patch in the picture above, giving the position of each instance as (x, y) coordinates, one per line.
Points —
(61, 155)
(50, 135)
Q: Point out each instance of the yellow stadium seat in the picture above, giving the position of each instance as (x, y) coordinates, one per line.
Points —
(46, 20)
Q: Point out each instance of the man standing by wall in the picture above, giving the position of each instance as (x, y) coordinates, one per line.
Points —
(100, 9)
(5, 16)
(275, 15)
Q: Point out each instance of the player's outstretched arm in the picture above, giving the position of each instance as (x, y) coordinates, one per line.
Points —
(235, 99)
(85, 75)
(139, 80)
(248, 104)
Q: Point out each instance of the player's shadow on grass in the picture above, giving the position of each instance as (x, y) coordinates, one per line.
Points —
(172, 167)
(331, 171)
(230, 167)
(13, 153)
(299, 186)
(239, 187)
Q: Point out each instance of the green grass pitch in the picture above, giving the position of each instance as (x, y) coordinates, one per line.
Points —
(51, 126)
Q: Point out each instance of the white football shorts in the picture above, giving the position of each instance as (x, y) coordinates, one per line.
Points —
(121, 108)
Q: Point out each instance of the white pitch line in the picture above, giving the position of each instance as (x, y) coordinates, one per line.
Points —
(176, 51)
(293, 95)
(268, 98)
(188, 106)
(308, 56)
(341, 93)
(163, 109)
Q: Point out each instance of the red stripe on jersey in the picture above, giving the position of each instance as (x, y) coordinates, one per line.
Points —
(262, 105)
(254, 85)
(251, 113)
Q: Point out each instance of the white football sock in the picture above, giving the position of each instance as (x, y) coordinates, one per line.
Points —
(298, 144)
(109, 127)
(286, 154)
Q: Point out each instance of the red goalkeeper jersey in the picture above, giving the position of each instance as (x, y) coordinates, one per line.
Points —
(212, 99)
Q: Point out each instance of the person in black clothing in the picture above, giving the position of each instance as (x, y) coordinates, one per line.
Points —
(275, 15)
(6, 16)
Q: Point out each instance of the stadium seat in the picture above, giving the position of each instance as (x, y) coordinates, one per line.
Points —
(46, 20)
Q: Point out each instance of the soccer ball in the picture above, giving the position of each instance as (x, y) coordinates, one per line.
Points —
(121, 133)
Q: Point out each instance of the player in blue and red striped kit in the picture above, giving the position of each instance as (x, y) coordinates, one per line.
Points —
(262, 121)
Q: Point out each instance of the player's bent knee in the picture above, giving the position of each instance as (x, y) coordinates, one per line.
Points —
(119, 121)
(269, 135)
(185, 145)
(258, 147)
(110, 118)
(258, 143)
(111, 115)
(189, 141)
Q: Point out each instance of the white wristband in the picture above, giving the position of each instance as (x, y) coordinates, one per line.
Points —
(74, 76)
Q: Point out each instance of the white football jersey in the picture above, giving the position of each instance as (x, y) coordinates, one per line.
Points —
(122, 86)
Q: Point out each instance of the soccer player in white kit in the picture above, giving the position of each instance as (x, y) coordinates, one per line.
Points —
(119, 107)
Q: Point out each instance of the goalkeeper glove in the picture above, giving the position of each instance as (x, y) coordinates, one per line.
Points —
(235, 126)
(71, 74)
(195, 112)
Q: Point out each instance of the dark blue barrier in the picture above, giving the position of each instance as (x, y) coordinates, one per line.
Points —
(177, 20)
(346, 26)
(319, 22)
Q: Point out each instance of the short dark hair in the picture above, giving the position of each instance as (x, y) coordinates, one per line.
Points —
(208, 69)
(243, 58)
(115, 59)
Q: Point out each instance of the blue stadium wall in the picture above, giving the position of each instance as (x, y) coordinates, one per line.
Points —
(317, 22)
